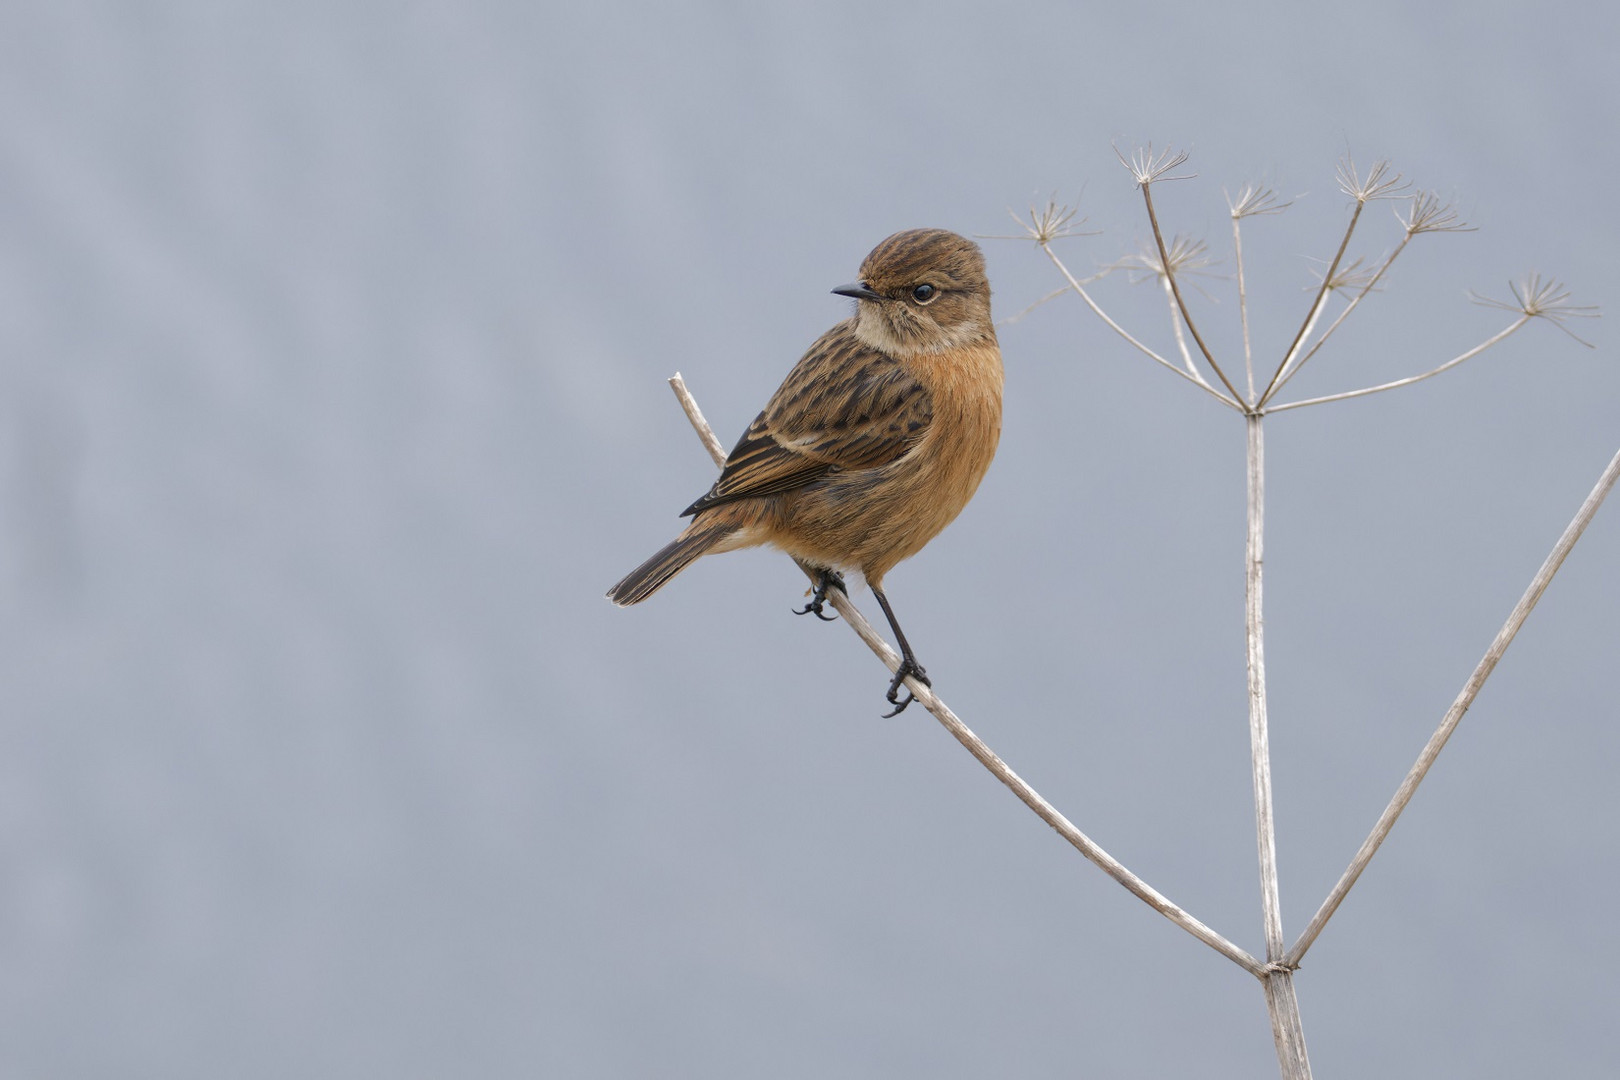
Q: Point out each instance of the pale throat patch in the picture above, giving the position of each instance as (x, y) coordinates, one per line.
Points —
(874, 331)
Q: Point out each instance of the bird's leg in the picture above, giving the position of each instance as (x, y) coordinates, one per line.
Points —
(908, 662)
(827, 579)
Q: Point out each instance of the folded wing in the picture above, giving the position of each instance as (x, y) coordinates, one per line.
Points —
(844, 406)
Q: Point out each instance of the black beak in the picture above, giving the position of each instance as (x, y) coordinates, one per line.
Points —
(858, 290)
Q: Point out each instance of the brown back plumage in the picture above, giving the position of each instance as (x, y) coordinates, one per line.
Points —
(845, 406)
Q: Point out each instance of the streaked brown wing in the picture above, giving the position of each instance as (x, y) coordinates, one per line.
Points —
(843, 406)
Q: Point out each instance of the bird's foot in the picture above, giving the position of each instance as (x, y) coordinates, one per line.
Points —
(910, 667)
(829, 579)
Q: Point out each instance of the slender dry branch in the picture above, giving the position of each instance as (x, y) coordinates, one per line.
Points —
(1175, 289)
(689, 405)
(1543, 298)
(1365, 287)
(1080, 290)
(1427, 214)
(1454, 715)
(987, 757)
(1289, 370)
(1252, 201)
(1259, 738)
(1176, 331)
(1243, 300)
(1409, 380)
(1281, 1002)
(1316, 306)
(1187, 256)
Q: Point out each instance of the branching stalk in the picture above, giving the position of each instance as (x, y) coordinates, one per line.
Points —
(1316, 306)
(1372, 282)
(1410, 379)
(1534, 297)
(1080, 290)
(1243, 305)
(1454, 715)
(987, 757)
(1181, 337)
(1252, 201)
(1175, 289)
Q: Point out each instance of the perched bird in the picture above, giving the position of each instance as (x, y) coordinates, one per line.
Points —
(875, 441)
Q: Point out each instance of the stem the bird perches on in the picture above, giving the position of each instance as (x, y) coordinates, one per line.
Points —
(987, 757)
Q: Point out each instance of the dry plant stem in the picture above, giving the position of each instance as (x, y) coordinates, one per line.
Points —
(1243, 304)
(1079, 289)
(694, 414)
(1409, 380)
(1454, 715)
(1259, 737)
(1321, 298)
(1282, 1003)
(1175, 289)
(1361, 294)
(1175, 328)
(987, 757)
(1289, 369)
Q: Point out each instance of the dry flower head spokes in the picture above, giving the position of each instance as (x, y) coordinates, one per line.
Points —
(1428, 214)
(1379, 183)
(1255, 201)
(1188, 255)
(1355, 277)
(1536, 297)
(1150, 168)
(1051, 222)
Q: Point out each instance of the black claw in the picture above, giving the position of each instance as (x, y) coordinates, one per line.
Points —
(910, 667)
(829, 579)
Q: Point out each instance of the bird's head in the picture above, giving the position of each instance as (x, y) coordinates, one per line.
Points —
(922, 291)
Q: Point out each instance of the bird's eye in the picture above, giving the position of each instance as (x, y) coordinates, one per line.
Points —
(924, 293)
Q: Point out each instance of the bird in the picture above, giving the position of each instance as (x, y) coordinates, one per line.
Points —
(874, 442)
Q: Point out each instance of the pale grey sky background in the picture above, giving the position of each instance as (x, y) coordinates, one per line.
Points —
(332, 401)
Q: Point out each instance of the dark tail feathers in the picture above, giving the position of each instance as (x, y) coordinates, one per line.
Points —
(671, 559)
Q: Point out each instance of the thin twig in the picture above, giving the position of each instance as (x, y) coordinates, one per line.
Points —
(1410, 379)
(1426, 215)
(1126, 334)
(689, 404)
(1175, 288)
(1181, 338)
(1454, 715)
(1316, 306)
(1252, 201)
(988, 758)
(1243, 304)
(1289, 371)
